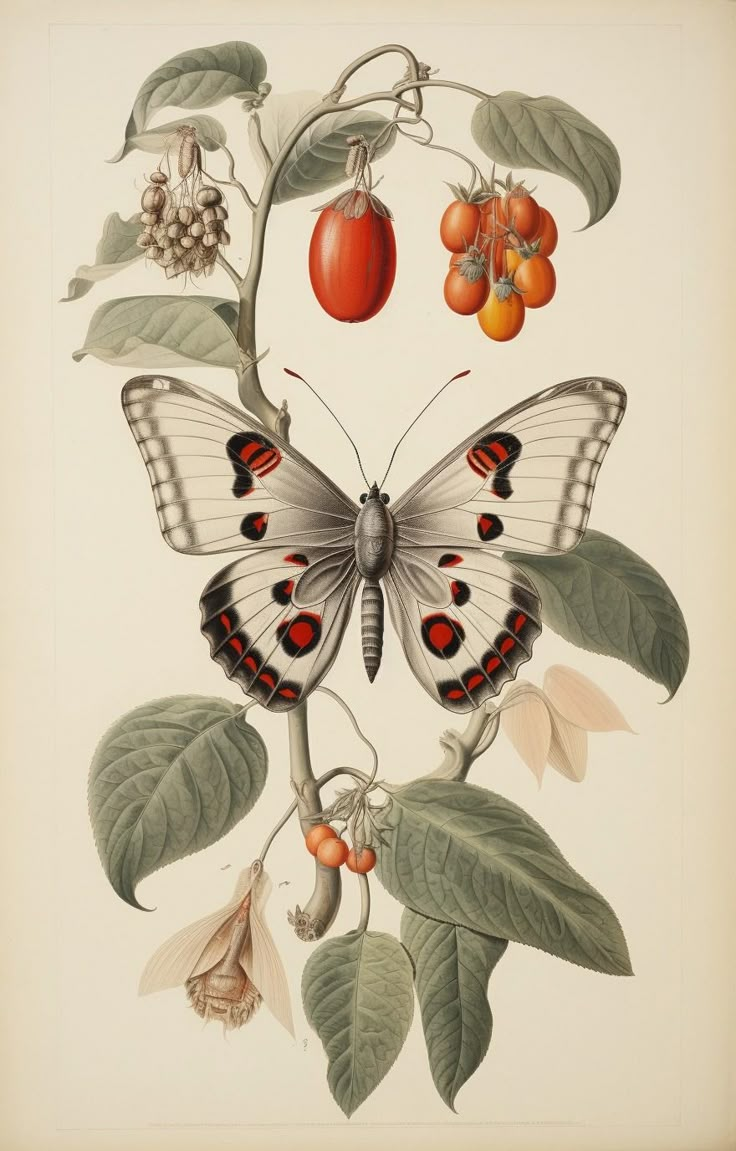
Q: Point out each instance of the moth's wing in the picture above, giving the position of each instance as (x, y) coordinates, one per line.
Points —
(523, 482)
(467, 620)
(222, 482)
(259, 629)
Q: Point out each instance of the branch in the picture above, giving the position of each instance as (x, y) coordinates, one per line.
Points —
(229, 269)
(462, 750)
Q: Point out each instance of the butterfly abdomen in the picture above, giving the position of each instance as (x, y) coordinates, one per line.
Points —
(371, 627)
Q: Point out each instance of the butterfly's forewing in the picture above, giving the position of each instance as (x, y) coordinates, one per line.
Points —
(221, 482)
(275, 649)
(523, 482)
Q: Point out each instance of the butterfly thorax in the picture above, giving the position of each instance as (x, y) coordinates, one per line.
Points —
(374, 537)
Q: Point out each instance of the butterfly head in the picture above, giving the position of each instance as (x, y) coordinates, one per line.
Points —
(374, 494)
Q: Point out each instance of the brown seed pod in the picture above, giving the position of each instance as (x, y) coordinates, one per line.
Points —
(166, 242)
(211, 240)
(149, 218)
(155, 253)
(214, 226)
(196, 229)
(171, 216)
(187, 241)
(209, 215)
(224, 238)
(176, 230)
(158, 177)
(186, 215)
(208, 196)
(221, 213)
(145, 240)
(153, 199)
(189, 154)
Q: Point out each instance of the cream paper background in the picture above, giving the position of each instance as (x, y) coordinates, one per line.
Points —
(100, 616)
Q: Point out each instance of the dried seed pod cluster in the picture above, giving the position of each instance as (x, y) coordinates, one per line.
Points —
(183, 226)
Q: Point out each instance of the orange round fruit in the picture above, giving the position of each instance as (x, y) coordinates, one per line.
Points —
(317, 835)
(361, 862)
(332, 852)
(546, 233)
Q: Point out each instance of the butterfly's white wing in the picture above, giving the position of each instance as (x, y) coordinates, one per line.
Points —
(468, 634)
(221, 482)
(523, 482)
(277, 650)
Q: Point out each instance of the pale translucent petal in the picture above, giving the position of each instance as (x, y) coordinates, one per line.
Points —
(195, 948)
(581, 701)
(261, 960)
(525, 721)
(568, 749)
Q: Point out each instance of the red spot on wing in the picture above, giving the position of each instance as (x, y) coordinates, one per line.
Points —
(440, 635)
(519, 622)
(475, 681)
(493, 663)
(455, 693)
(288, 693)
(296, 558)
(449, 560)
(507, 644)
(267, 678)
(225, 621)
(251, 663)
(301, 633)
(236, 644)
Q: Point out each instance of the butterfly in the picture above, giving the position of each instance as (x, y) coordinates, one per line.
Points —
(466, 616)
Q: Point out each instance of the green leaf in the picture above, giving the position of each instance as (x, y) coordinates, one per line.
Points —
(116, 251)
(317, 160)
(452, 967)
(605, 598)
(542, 132)
(210, 135)
(164, 331)
(466, 856)
(198, 78)
(358, 997)
(168, 779)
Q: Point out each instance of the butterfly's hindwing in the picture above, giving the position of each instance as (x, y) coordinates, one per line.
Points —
(276, 650)
(464, 644)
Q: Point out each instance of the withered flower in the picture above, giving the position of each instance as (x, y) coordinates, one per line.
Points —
(551, 725)
(227, 962)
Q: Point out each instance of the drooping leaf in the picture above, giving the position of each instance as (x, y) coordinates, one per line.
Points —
(543, 132)
(199, 78)
(526, 722)
(605, 598)
(452, 967)
(317, 160)
(210, 135)
(164, 331)
(581, 701)
(168, 779)
(466, 856)
(116, 251)
(358, 997)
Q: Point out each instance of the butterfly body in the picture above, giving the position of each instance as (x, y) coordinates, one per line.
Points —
(466, 616)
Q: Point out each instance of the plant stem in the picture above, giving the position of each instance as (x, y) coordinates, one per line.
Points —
(365, 903)
(234, 276)
(323, 779)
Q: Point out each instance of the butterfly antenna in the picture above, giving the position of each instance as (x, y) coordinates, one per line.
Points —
(420, 414)
(337, 421)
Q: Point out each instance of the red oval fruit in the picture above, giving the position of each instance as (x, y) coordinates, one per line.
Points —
(546, 233)
(460, 225)
(522, 212)
(332, 852)
(317, 835)
(493, 218)
(502, 319)
(464, 295)
(536, 279)
(352, 257)
(362, 862)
